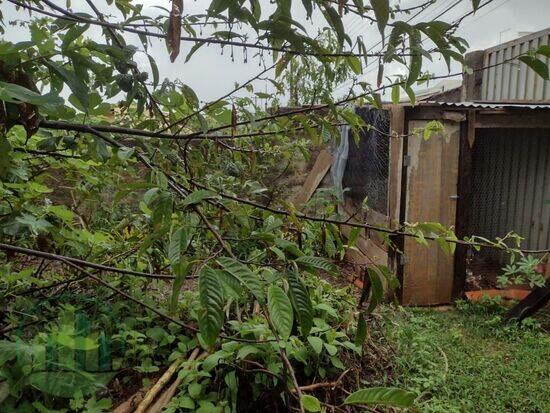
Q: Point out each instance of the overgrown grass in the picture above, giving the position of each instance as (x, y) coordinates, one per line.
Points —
(466, 360)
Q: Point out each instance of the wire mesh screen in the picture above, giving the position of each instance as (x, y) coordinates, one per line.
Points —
(510, 188)
(367, 168)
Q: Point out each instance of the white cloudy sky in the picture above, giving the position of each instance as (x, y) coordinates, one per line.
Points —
(211, 74)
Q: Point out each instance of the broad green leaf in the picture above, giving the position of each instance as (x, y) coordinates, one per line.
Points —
(355, 64)
(301, 302)
(10, 92)
(415, 45)
(544, 50)
(154, 70)
(65, 383)
(311, 403)
(244, 275)
(192, 51)
(181, 270)
(179, 241)
(537, 65)
(198, 196)
(72, 34)
(211, 315)
(308, 262)
(376, 288)
(335, 21)
(78, 87)
(308, 6)
(5, 159)
(410, 93)
(331, 349)
(395, 98)
(280, 311)
(361, 333)
(475, 4)
(382, 13)
(316, 343)
(382, 396)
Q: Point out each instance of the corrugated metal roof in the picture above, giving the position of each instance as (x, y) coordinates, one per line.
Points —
(492, 105)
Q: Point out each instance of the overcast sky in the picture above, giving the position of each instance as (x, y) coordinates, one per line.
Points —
(211, 74)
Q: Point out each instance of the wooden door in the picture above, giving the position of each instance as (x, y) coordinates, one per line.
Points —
(432, 177)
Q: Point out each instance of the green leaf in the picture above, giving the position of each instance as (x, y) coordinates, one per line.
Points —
(410, 93)
(335, 21)
(5, 159)
(415, 45)
(280, 311)
(537, 65)
(331, 349)
(308, 6)
(395, 98)
(361, 333)
(154, 70)
(245, 276)
(308, 262)
(475, 4)
(190, 95)
(382, 13)
(355, 64)
(179, 241)
(181, 270)
(78, 87)
(376, 289)
(433, 126)
(311, 403)
(10, 92)
(72, 34)
(301, 302)
(192, 51)
(316, 343)
(64, 383)
(211, 315)
(544, 50)
(384, 396)
(198, 196)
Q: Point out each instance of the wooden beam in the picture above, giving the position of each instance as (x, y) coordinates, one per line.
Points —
(314, 178)
(471, 133)
(511, 119)
(397, 130)
(464, 188)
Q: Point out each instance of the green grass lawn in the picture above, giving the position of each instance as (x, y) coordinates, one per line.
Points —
(466, 360)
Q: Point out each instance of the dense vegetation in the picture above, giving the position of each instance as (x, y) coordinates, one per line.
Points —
(145, 234)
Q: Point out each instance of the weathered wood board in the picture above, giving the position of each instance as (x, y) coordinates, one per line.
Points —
(314, 178)
(397, 129)
(432, 178)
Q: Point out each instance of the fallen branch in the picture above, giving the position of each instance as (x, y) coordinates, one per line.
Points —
(165, 397)
(63, 258)
(164, 379)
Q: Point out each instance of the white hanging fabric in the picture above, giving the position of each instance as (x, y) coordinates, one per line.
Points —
(339, 160)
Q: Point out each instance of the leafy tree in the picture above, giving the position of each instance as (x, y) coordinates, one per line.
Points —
(161, 217)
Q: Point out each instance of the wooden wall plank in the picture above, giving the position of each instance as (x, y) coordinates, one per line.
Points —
(397, 129)
(431, 181)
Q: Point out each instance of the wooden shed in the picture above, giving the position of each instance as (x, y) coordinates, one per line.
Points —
(487, 174)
